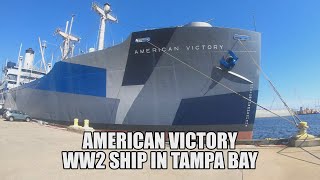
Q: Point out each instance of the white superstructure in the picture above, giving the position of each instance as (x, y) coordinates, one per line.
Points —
(24, 72)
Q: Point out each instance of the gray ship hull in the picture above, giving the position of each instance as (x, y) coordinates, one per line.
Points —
(155, 80)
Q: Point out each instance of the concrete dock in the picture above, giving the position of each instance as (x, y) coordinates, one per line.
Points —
(33, 151)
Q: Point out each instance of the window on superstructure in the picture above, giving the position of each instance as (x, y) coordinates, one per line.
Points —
(12, 77)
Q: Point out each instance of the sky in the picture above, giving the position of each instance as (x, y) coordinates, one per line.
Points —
(290, 33)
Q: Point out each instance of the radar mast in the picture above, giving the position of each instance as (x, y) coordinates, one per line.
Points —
(105, 15)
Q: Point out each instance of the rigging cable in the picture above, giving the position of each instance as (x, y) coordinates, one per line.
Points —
(205, 75)
(271, 84)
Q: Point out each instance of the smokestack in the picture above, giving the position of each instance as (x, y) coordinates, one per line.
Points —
(29, 58)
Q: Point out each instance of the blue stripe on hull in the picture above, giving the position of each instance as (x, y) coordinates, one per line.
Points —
(74, 79)
(216, 110)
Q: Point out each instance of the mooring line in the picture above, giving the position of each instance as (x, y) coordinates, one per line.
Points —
(272, 85)
(205, 75)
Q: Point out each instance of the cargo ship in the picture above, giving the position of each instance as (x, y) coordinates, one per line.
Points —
(185, 78)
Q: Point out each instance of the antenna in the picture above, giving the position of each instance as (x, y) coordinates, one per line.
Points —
(69, 40)
(19, 53)
(19, 70)
(208, 21)
(71, 23)
(67, 24)
(254, 22)
(19, 66)
(105, 15)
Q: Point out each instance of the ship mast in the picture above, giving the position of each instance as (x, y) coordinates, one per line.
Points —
(105, 15)
(19, 66)
(43, 46)
(69, 40)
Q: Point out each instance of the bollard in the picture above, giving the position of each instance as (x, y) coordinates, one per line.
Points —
(75, 122)
(76, 128)
(86, 126)
(86, 123)
(302, 133)
(302, 138)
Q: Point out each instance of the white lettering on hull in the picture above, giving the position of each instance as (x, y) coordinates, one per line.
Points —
(202, 47)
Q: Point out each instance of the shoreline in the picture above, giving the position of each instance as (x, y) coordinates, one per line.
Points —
(263, 114)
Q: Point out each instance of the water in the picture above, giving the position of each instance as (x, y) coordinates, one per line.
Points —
(279, 128)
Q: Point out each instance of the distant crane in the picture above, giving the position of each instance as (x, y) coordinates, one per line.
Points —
(67, 48)
(105, 15)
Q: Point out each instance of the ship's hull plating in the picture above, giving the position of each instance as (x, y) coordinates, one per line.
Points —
(155, 85)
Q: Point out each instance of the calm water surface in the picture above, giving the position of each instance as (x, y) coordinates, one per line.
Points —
(278, 128)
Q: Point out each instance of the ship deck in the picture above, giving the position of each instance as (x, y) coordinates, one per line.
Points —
(33, 151)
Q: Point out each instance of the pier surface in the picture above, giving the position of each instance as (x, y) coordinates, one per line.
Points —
(33, 151)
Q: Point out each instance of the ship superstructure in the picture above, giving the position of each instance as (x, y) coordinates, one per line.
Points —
(24, 72)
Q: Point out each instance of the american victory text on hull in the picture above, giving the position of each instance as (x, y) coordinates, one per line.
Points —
(178, 78)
